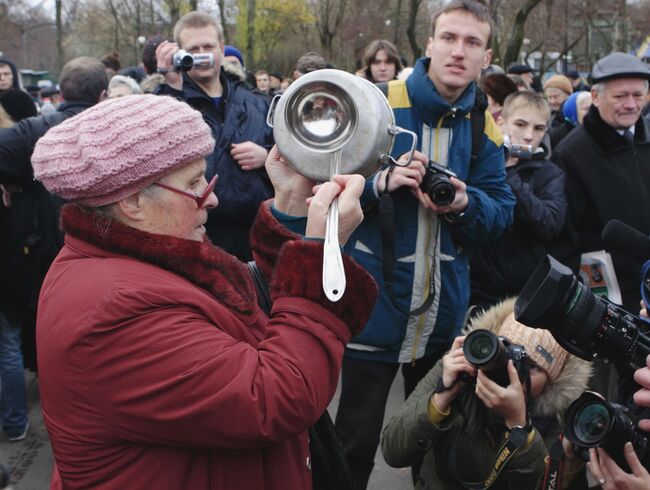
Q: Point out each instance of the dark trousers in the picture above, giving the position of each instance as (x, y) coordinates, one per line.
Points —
(364, 390)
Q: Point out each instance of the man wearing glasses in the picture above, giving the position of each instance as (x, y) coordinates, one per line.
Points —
(237, 119)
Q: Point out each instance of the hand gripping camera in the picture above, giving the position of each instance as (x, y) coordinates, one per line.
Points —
(489, 352)
(436, 184)
(184, 61)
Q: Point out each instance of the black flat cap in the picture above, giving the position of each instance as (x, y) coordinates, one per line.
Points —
(519, 69)
(619, 65)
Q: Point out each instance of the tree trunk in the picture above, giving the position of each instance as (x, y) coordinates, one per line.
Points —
(250, 38)
(222, 16)
(410, 29)
(59, 37)
(194, 4)
(398, 22)
(516, 39)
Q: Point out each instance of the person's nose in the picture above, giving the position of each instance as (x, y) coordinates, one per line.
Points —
(211, 202)
(630, 102)
(458, 49)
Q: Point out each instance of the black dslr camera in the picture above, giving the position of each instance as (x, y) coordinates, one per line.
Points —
(489, 352)
(592, 421)
(581, 322)
(436, 184)
(184, 61)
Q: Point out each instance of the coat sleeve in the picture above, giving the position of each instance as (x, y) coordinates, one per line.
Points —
(16, 147)
(540, 212)
(409, 435)
(491, 202)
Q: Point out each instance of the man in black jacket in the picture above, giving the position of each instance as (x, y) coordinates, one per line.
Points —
(606, 161)
(606, 164)
(30, 237)
(237, 118)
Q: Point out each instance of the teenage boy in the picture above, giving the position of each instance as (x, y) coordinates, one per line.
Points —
(416, 320)
(500, 268)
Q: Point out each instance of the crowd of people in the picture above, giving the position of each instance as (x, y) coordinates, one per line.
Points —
(131, 206)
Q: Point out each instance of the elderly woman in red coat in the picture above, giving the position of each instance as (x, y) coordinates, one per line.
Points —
(157, 368)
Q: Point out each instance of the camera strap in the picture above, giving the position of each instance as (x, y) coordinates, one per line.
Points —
(387, 230)
(514, 441)
(554, 464)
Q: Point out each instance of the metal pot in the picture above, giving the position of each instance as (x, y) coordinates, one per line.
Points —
(327, 110)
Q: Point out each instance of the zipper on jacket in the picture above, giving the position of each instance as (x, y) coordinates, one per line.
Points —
(421, 320)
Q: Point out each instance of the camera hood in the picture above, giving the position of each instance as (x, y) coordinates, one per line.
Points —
(540, 303)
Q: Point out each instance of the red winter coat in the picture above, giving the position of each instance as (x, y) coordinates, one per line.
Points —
(157, 370)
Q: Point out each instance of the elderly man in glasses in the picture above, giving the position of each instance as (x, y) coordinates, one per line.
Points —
(157, 367)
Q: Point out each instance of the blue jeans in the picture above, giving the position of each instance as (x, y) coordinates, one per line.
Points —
(13, 392)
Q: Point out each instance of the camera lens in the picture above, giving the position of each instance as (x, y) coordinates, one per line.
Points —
(592, 424)
(480, 347)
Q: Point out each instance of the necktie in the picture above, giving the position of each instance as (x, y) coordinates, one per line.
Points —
(629, 136)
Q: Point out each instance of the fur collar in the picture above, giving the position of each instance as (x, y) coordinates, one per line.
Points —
(607, 138)
(567, 387)
(203, 264)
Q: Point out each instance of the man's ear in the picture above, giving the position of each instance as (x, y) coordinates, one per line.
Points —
(595, 97)
(102, 96)
(487, 58)
(500, 123)
(132, 207)
(429, 48)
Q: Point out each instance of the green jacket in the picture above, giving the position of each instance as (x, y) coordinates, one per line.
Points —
(464, 445)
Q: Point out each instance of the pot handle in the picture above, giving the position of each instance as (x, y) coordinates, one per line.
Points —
(395, 130)
(271, 113)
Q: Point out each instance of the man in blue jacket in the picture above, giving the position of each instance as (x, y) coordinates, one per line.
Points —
(237, 118)
(415, 324)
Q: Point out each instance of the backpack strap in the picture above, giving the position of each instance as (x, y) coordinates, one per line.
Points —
(477, 120)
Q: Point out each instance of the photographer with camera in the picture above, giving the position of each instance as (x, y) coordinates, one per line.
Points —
(192, 69)
(414, 240)
(489, 422)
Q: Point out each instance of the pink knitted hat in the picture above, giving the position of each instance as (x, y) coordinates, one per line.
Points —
(119, 147)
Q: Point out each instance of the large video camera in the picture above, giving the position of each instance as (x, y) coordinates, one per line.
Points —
(436, 184)
(489, 352)
(184, 61)
(592, 421)
(584, 324)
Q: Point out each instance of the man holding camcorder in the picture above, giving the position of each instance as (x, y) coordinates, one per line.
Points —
(237, 119)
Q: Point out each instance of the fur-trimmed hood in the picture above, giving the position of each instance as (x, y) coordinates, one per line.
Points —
(557, 395)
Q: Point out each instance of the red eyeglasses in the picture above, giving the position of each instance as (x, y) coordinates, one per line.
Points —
(198, 198)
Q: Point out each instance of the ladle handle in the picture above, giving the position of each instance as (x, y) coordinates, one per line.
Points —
(395, 130)
(333, 270)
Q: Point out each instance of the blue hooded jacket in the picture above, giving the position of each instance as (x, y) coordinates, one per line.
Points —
(431, 253)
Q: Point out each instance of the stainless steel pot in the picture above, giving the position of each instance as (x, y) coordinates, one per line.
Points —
(327, 110)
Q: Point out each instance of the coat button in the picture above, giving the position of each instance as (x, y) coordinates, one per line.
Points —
(308, 463)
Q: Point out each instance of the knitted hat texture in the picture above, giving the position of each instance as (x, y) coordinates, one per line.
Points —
(561, 82)
(539, 344)
(119, 147)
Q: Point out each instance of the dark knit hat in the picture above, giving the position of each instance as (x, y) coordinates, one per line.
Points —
(233, 51)
(519, 69)
(18, 104)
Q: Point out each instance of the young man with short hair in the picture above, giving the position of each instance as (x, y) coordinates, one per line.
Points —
(238, 122)
(416, 323)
